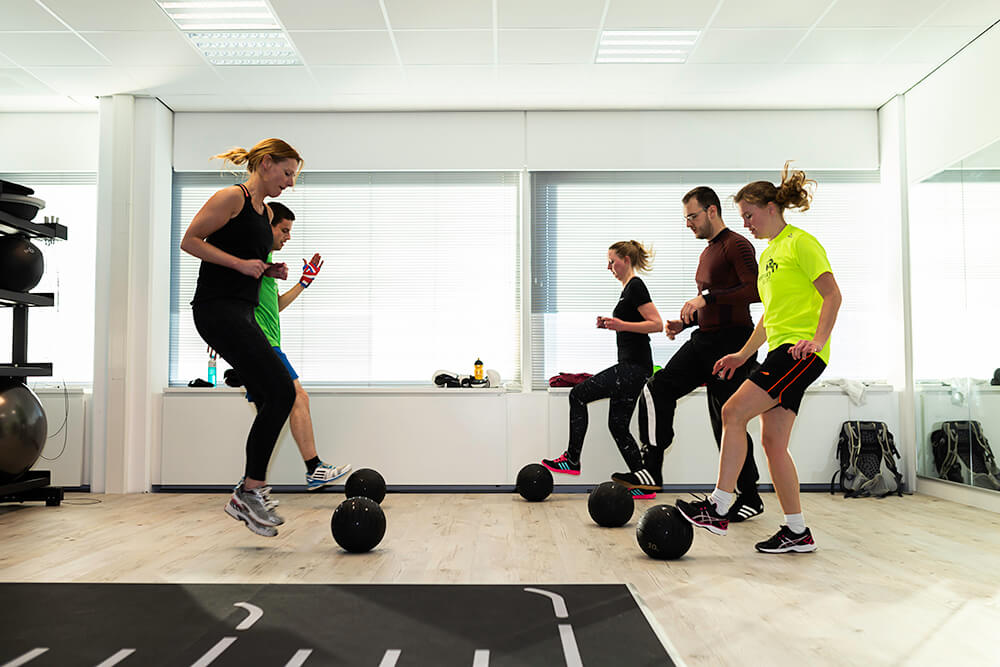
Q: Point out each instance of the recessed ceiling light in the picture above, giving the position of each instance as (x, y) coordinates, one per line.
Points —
(233, 32)
(245, 48)
(645, 46)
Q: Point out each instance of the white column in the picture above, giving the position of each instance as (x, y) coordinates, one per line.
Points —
(892, 159)
(132, 292)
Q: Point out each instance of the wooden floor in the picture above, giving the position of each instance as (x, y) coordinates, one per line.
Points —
(899, 581)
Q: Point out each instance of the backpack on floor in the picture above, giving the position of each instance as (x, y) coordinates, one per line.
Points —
(962, 454)
(867, 455)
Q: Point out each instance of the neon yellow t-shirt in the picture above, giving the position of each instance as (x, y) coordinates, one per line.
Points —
(788, 266)
(267, 310)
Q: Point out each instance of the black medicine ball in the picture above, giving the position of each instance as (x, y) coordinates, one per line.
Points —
(611, 505)
(365, 483)
(534, 482)
(663, 533)
(21, 263)
(358, 524)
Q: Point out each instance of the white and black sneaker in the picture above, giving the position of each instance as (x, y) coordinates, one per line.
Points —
(639, 479)
(253, 507)
(745, 507)
(785, 540)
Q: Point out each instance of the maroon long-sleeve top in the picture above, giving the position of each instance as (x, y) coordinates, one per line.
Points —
(727, 278)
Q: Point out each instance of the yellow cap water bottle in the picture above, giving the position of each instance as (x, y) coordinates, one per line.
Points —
(479, 370)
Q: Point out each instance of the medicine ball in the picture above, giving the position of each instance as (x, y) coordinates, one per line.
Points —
(534, 482)
(663, 533)
(21, 263)
(611, 505)
(358, 524)
(365, 483)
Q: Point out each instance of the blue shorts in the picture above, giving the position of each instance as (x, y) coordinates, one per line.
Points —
(284, 360)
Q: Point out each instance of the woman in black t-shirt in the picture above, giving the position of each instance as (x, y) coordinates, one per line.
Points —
(633, 319)
(232, 237)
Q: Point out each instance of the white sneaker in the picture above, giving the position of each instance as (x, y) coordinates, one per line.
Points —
(325, 474)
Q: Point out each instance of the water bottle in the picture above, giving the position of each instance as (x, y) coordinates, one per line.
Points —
(211, 366)
(478, 374)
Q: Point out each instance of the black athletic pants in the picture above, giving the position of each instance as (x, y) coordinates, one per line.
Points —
(689, 368)
(622, 383)
(230, 327)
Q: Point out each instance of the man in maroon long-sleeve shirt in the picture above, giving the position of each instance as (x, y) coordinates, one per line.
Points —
(727, 285)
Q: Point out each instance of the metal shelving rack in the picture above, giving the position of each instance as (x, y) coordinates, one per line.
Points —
(34, 485)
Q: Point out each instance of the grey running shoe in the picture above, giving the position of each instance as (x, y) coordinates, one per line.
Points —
(271, 502)
(256, 505)
(233, 510)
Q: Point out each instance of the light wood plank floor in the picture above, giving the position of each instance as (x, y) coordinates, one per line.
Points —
(899, 581)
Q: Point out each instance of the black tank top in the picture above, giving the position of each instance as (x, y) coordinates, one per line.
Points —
(247, 236)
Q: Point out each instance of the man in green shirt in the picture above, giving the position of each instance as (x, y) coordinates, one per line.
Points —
(318, 473)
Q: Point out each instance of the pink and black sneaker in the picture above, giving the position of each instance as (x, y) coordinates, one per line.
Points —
(563, 465)
(704, 515)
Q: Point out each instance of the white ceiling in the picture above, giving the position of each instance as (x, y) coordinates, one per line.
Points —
(382, 55)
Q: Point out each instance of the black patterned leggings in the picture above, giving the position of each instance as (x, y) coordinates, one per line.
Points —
(622, 383)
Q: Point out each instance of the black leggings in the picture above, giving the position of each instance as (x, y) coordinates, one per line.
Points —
(230, 327)
(622, 383)
(691, 367)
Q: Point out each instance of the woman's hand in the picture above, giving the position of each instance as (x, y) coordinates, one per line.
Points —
(251, 267)
(613, 323)
(804, 348)
(673, 328)
(278, 270)
(725, 366)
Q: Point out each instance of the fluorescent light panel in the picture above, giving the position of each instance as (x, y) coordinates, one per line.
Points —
(645, 46)
(245, 48)
(233, 32)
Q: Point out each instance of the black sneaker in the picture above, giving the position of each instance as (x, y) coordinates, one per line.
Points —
(562, 464)
(702, 514)
(785, 540)
(745, 507)
(640, 479)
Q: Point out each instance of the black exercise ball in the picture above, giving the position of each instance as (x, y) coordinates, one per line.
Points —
(358, 524)
(365, 483)
(21, 263)
(23, 429)
(664, 533)
(534, 482)
(610, 505)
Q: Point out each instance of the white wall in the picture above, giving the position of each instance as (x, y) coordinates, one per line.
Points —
(442, 437)
(953, 112)
(66, 454)
(549, 140)
(48, 141)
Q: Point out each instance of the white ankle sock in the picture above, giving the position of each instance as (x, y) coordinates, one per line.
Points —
(796, 523)
(723, 500)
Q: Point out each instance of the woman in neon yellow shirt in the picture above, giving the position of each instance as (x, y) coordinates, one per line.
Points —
(801, 300)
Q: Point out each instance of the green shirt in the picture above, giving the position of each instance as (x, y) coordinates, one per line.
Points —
(788, 266)
(267, 310)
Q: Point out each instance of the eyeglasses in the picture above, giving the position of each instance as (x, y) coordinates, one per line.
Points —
(691, 217)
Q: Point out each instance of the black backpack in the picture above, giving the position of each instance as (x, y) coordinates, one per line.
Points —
(962, 454)
(867, 455)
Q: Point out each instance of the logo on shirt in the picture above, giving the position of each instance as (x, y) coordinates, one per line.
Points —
(769, 268)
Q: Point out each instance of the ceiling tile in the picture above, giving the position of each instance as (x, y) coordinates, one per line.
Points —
(358, 79)
(869, 14)
(550, 13)
(201, 80)
(91, 81)
(405, 14)
(645, 14)
(847, 46)
(979, 13)
(547, 46)
(931, 46)
(268, 80)
(16, 81)
(339, 15)
(746, 46)
(345, 47)
(27, 15)
(49, 49)
(770, 14)
(145, 49)
(445, 47)
(111, 14)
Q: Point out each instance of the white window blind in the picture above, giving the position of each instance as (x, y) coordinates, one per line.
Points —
(63, 334)
(577, 215)
(421, 273)
(955, 275)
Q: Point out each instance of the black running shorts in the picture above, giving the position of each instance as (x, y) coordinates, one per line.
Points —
(785, 378)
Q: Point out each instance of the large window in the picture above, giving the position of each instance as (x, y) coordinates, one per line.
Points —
(577, 215)
(64, 334)
(421, 273)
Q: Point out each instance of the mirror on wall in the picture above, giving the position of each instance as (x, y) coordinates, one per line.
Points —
(955, 297)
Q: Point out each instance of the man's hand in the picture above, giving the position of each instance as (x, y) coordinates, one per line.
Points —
(691, 308)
